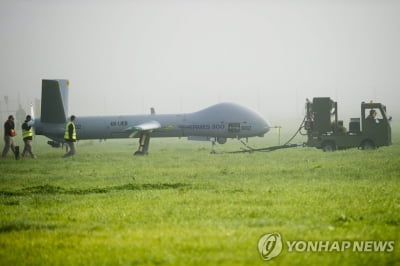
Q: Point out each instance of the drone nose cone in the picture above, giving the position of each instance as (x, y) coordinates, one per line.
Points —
(262, 126)
(265, 126)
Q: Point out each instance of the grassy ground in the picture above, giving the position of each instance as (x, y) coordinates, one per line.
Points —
(182, 205)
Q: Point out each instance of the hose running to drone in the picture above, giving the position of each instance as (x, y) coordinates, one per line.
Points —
(297, 132)
(273, 148)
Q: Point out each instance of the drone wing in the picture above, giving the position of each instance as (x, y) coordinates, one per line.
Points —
(145, 126)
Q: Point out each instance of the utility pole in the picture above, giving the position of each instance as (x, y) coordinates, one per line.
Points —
(278, 130)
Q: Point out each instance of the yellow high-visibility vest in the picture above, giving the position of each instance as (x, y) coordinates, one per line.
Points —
(27, 133)
(66, 135)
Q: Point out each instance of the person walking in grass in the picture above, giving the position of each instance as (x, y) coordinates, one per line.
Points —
(27, 135)
(9, 134)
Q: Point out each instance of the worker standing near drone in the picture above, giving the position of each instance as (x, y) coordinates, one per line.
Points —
(70, 136)
(27, 135)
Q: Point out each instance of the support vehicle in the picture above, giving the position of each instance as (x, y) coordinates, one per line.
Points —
(326, 132)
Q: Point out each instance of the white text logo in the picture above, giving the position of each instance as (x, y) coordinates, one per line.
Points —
(271, 245)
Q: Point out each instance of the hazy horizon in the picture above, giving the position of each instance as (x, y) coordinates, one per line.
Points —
(123, 57)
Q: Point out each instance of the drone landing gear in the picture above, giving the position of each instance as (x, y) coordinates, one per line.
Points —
(213, 146)
(144, 142)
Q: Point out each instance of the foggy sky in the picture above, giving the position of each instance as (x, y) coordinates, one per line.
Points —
(123, 57)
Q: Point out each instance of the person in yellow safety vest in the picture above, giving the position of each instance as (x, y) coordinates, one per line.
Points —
(70, 136)
(27, 135)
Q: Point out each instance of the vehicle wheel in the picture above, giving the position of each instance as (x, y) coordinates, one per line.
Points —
(368, 145)
(328, 146)
(221, 140)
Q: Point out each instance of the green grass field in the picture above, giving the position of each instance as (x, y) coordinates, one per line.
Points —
(182, 205)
